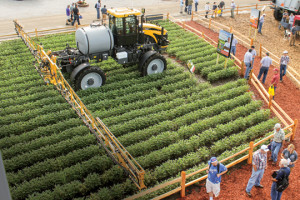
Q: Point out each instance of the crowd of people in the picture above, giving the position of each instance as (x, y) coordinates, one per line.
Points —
(216, 8)
(259, 164)
(73, 14)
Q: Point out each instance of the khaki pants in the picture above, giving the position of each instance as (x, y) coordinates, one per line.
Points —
(293, 39)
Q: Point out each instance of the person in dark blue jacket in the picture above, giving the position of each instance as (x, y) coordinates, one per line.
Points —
(283, 171)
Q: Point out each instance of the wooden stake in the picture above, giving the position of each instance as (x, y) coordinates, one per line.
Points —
(218, 57)
(251, 145)
(168, 16)
(242, 69)
(256, 6)
(251, 42)
(270, 101)
(36, 33)
(183, 24)
(209, 23)
(255, 34)
(225, 65)
(250, 76)
(192, 17)
(294, 129)
(230, 29)
(249, 31)
(237, 10)
(182, 192)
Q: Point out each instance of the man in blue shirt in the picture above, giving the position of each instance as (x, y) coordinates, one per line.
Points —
(261, 22)
(283, 171)
(98, 6)
(264, 67)
(215, 171)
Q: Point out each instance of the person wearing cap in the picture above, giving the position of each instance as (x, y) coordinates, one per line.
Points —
(277, 142)
(291, 155)
(233, 45)
(277, 177)
(232, 7)
(207, 9)
(215, 171)
(291, 20)
(247, 61)
(264, 67)
(284, 61)
(275, 80)
(259, 164)
(261, 22)
(253, 52)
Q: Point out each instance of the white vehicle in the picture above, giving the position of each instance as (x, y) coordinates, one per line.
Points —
(292, 6)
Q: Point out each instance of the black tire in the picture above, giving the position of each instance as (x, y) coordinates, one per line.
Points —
(90, 77)
(277, 14)
(154, 65)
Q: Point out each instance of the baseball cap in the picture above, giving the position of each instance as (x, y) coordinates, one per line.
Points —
(264, 14)
(277, 126)
(285, 51)
(265, 148)
(213, 159)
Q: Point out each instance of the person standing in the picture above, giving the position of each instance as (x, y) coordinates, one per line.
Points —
(104, 13)
(277, 142)
(222, 7)
(214, 9)
(190, 6)
(196, 5)
(186, 6)
(275, 80)
(68, 13)
(215, 171)
(253, 52)
(71, 10)
(264, 67)
(284, 18)
(293, 36)
(98, 6)
(278, 176)
(233, 45)
(290, 154)
(232, 7)
(181, 6)
(76, 15)
(261, 22)
(291, 20)
(207, 9)
(247, 61)
(284, 61)
(259, 164)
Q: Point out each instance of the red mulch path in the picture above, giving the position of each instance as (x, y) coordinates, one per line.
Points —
(234, 183)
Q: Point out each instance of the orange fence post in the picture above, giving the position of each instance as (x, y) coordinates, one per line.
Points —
(168, 15)
(270, 101)
(256, 6)
(242, 69)
(294, 129)
(250, 76)
(36, 33)
(209, 23)
(251, 42)
(251, 145)
(230, 29)
(260, 50)
(183, 174)
(76, 26)
(237, 10)
(192, 17)
(183, 25)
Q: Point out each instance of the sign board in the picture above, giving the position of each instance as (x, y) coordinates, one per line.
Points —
(254, 18)
(224, 43)
(191, 66)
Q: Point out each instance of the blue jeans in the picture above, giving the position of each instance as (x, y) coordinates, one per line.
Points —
(263, 70)
(233, 50)
(282, 71)
(255, 179)
(196, 7)
(275, 195)
(275, 147)
(189, 9)
(260, 27)
(76, 17)
(248, 69)
(98, 13)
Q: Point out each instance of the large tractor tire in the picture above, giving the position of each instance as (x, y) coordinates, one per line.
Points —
(91, 77)
(277, 14)
(154, 65)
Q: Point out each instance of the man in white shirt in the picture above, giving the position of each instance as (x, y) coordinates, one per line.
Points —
(247, 61)
(232, 7)
(261, 21)
(291, 20)
(264, 67)
(253, 52)
(233, 45)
